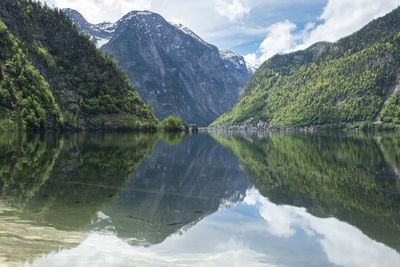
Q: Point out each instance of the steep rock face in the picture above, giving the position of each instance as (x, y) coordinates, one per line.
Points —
(173, 69)
(236, 65)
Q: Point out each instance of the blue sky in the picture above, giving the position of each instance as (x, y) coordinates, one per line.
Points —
(299, 12)
(257, 29)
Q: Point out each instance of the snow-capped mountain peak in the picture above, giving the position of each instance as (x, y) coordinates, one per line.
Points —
(99, 34)
(236, 59)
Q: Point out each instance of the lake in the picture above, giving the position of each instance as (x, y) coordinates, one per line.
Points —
(217, 199)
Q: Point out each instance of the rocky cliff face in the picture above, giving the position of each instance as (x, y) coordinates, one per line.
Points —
(236, 65)
(173, 69)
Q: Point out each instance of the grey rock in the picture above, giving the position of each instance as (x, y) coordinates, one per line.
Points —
(173, 69)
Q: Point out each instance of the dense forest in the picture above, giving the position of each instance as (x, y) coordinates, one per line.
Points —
(352, 178)
(51, 76)
(352, 80)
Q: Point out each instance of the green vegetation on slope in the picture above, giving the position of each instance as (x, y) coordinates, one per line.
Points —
(25, 97)
(391, 111)
(52, 76)
(174, 124)
(345, 177)
(346, 81)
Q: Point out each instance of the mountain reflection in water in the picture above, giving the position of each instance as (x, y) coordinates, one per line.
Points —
(147, 199)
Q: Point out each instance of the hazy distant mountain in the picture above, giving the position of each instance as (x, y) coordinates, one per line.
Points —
(173, 69)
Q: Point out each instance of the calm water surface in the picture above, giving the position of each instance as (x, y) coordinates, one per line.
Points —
(208, 200)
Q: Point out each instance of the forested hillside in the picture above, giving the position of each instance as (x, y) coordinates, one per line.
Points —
(52, 76)
(352, 80)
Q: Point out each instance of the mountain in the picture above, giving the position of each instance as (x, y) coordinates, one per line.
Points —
(99, 33)
(237, 66)
(173, 69)
(354, 79)
(52, 76)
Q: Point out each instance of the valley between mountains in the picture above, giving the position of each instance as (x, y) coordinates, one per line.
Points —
(60, 71)
(172, 68)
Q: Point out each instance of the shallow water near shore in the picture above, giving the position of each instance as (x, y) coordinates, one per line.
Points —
(212, 199)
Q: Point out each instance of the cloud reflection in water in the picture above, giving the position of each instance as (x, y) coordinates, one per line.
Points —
(256, 232)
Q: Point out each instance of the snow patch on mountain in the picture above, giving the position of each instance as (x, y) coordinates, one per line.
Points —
(99, 34)
(138, 15)
(99, 43)
(236, 59)
(189, 32)
(252, 68)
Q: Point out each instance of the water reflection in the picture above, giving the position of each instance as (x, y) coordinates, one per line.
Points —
(343, 244)
(57, 184)
(352, 178)
(89, 182)
(22, 239)
(261, 240)
(175, 188)
(220, 200)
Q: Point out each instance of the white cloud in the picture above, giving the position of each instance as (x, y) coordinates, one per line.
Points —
(342, 17)
(232, 9)
(252, 59)
(280, 39)
(96, 11)
(127, 6)
(339, 19)
(343, 244)
(280, 219)
(223, 22)
(241, 23)
(108, 250)
(201, 12)
(247, 245)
